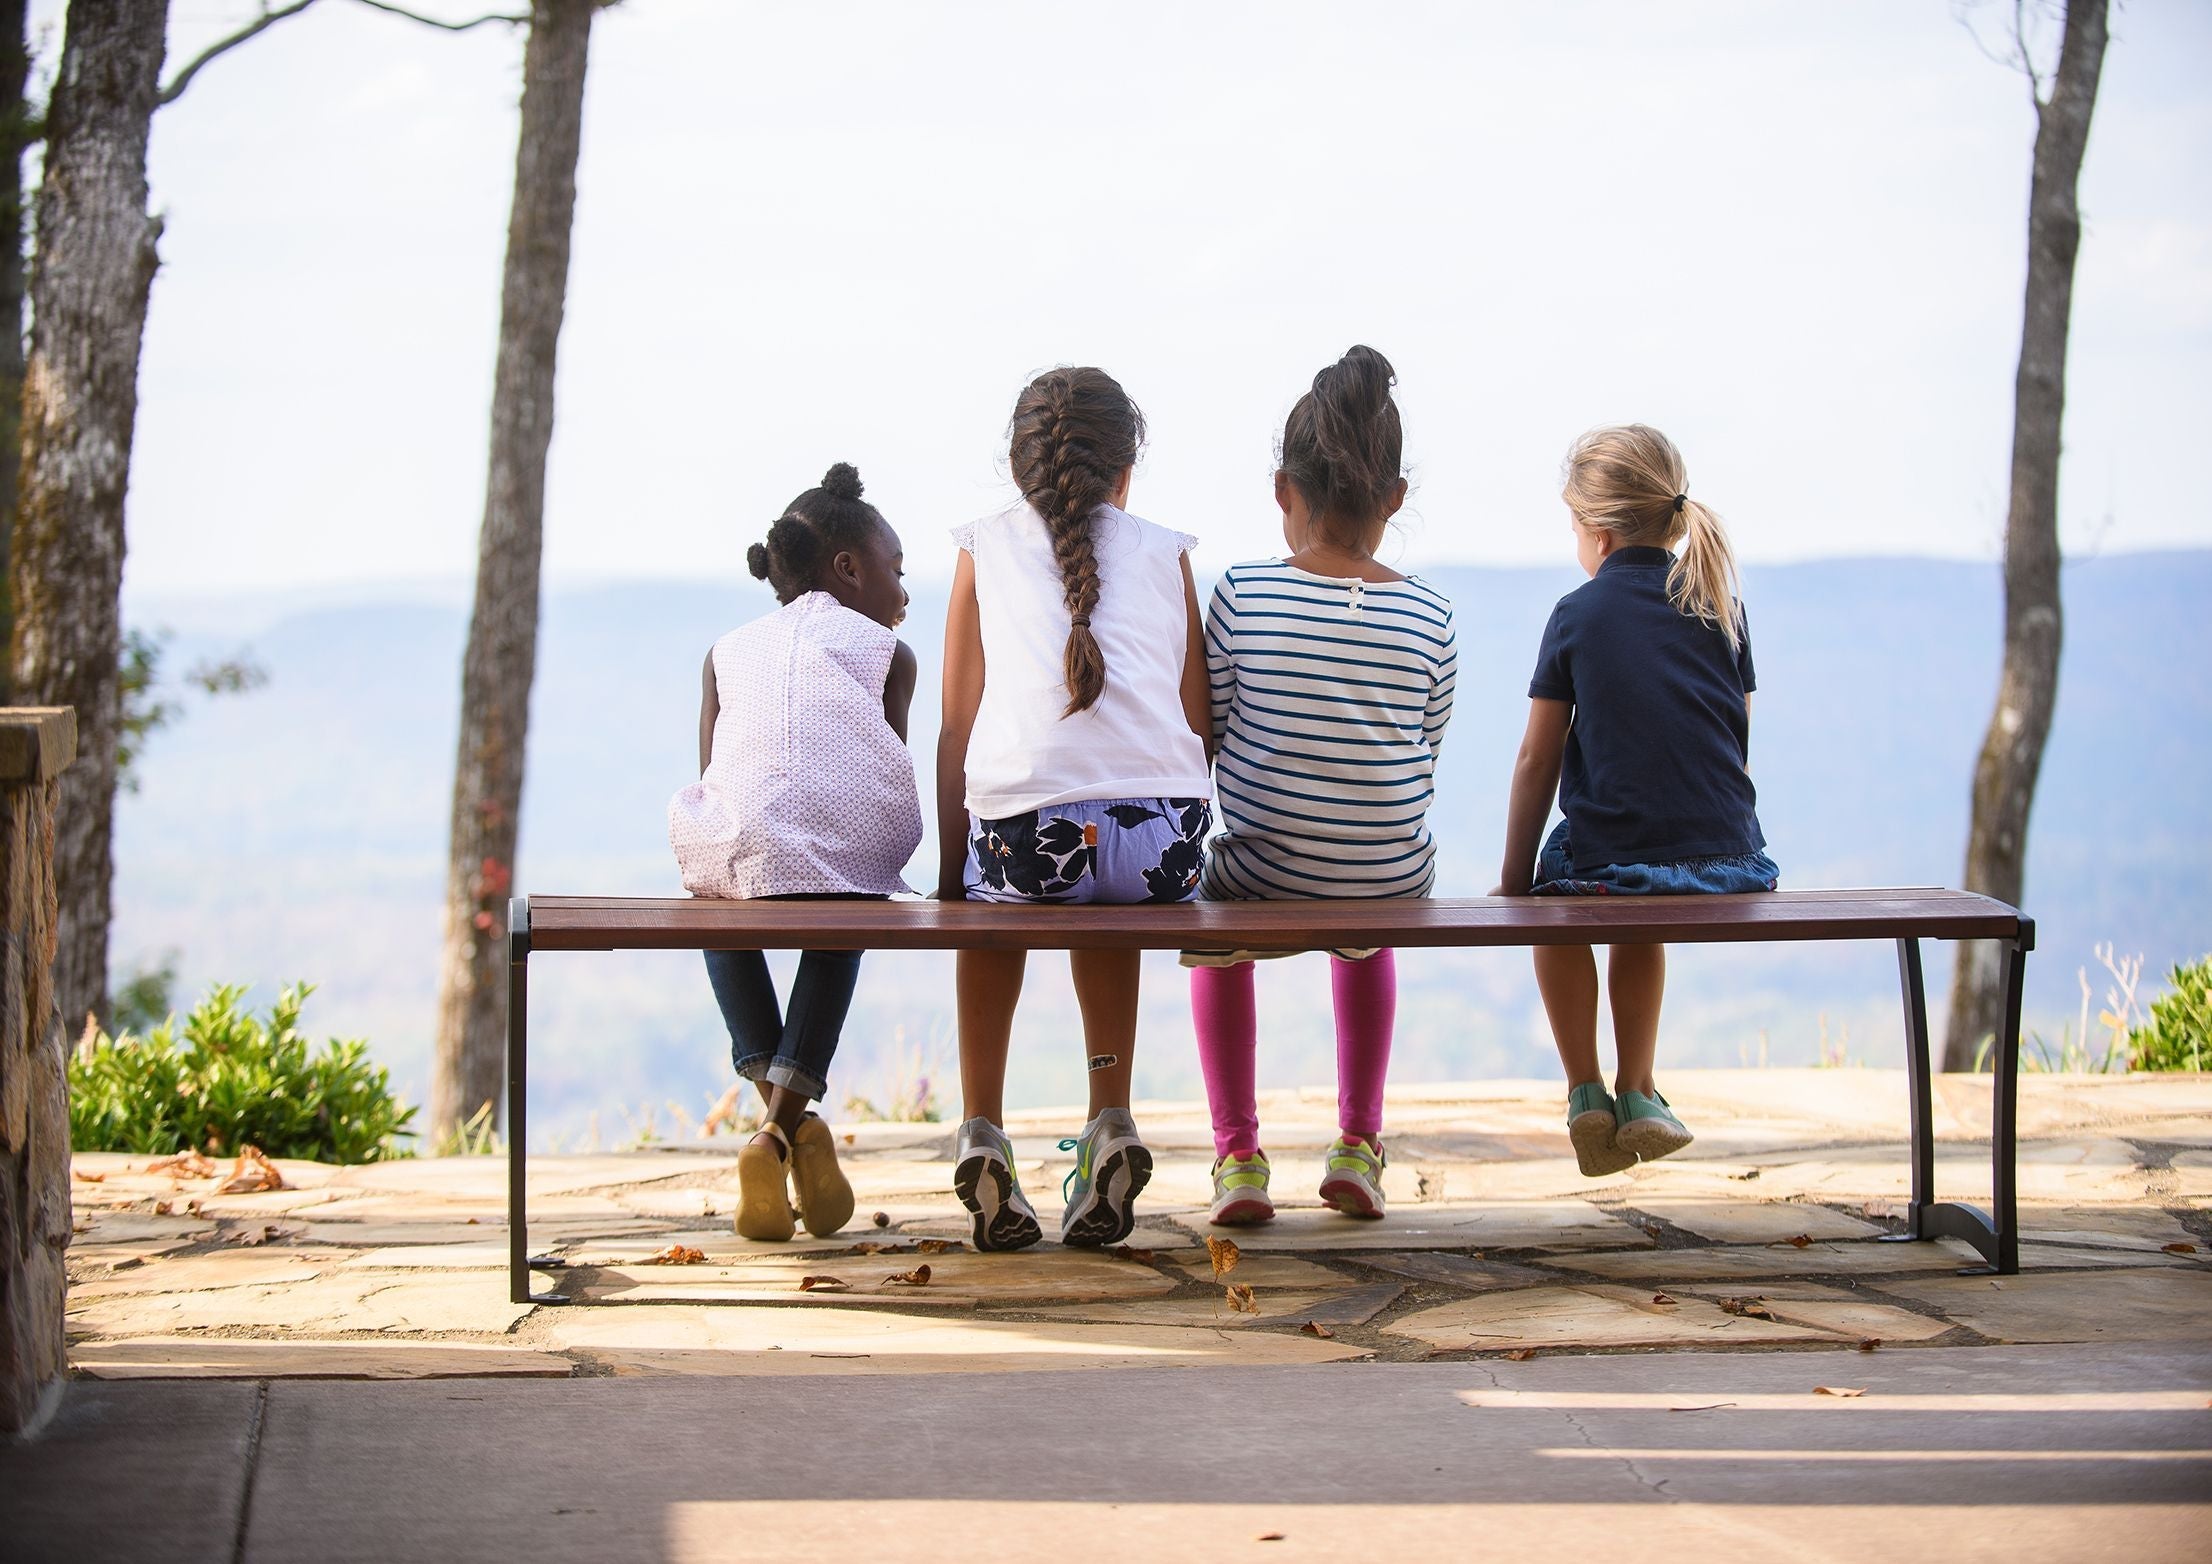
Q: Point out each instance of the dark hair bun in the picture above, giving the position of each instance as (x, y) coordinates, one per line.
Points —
(756, 560)
(1358, 384)
(842, 482)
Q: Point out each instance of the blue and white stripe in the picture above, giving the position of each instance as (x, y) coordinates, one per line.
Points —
(1330, 699)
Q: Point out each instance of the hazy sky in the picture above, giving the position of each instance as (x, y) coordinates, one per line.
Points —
(1791, 235)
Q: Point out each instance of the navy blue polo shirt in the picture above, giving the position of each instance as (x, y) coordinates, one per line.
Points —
(1654, 768)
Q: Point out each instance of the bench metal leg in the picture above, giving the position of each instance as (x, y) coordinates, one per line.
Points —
(519, 1260)
(1995, 1236)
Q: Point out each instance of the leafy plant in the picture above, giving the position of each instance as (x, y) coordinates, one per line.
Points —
(143, 1000)
(2178, 1034)
(225, 1078)
(478, 1137)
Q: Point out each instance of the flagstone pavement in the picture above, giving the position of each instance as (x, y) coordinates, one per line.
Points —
(1714, 1357)
(1763, 1237)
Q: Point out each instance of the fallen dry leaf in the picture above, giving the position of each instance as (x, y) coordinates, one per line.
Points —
(824, 1284)
(677, 1254)
(1520, 1354)
(163, 1207)
(1799, 1241)
(1240, 1298)
(938, 1245)
(471, 1222)
(1663, 1297)
(1745, 1177)
(1316, 1328)
(918, 1277)
(2178, 1248)
(1869, 1343)
(184, 1164)
(254, 1237)
(1749, 1308)
(1141, 1256)
(251, 1174)
(881, 1219)
(850, 1137)
(1839, 1390)
(1712, 1406)
(1653, 1228)
(1269, 1536)
(1224, 1255)
(102, 1178)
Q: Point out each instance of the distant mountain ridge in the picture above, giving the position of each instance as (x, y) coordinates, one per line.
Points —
(299, 831)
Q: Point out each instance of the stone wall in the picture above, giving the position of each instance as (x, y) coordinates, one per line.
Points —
(35, 745)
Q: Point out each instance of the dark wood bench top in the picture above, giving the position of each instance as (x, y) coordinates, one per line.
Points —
(689, 923)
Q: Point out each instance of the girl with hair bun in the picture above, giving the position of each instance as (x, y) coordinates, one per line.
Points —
(1070, 769)
(806, 789)
(1331, 685)
(1640, 721)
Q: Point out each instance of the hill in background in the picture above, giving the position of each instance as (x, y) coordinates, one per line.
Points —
(300, 831)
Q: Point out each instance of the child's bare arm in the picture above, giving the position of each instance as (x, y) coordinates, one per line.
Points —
(1198, 705)
(1535, 784)
(710, 708)
(898, 688)
(963, 694)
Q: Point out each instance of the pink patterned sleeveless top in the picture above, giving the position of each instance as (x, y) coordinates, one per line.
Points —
(807, 790)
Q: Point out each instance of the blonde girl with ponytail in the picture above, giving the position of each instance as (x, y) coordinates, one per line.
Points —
(1640, 725)
(1070, 768)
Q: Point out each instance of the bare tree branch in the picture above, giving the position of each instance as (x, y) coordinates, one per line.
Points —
(222, 46)
(451, 27)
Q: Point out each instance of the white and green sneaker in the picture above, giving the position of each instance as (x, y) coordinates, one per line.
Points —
(983, 1177)
(1352, 1180)
(1111, 1169)
(1240, 1192)
(1649, 1127)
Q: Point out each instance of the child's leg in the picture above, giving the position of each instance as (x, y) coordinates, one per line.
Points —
(1567, 977)
(1227, 1022)
(747, 998)
(987, 984)
(1106, 988)
(821, 995)
(1635, 981)
(1366, 1002)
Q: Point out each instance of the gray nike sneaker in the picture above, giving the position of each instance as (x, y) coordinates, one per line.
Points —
(1111, 1169)
(983, 1177)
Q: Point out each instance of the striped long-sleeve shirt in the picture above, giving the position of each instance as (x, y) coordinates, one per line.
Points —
(1330, 699)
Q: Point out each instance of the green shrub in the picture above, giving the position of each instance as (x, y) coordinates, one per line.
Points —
(2178, 1035)
(225, 1078)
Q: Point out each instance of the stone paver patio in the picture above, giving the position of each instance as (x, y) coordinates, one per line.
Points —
(1765, 1237)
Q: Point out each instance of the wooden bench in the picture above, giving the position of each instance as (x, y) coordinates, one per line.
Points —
(549, 923)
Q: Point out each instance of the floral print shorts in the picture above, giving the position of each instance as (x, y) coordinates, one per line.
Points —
(1094, 850)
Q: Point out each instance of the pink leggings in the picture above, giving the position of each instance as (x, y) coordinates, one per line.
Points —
(1366, 995)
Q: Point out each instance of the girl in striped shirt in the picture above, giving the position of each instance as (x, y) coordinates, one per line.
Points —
(1331, 679)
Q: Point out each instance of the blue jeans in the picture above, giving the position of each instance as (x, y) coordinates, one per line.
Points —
(789, 1048)
(1736, 873)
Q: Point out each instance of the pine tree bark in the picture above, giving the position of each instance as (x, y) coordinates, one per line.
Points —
(89, 284)
(498, 666)
(2027, 690)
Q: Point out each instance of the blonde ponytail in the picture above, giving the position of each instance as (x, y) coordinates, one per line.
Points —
(1630, 481)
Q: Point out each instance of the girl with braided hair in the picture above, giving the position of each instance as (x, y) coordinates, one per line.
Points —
(806, 789)
(1332, 679)
(1070, 769)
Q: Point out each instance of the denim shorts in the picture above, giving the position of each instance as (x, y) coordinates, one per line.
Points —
(1095, 850)
(1555, 874)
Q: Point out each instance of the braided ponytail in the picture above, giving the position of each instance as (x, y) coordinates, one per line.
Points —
(1074, 433)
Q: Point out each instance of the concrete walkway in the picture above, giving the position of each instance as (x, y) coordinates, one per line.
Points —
(1509, 1356)
(1998, 1454)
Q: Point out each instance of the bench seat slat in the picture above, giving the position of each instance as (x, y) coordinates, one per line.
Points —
(687, 923)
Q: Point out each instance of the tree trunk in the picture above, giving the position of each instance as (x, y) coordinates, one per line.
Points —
(15, 116)
(2012, 753)
(89, 282)
(497, 668)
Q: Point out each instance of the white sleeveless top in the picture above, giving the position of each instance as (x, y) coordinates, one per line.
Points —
(1133, 742)
(807, 790)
